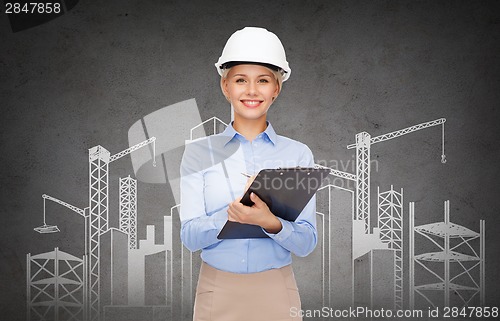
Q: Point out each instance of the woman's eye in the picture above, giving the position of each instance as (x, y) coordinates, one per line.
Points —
(263, 81)
(240, 80)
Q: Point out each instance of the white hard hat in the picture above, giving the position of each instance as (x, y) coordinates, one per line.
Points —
(257, 45)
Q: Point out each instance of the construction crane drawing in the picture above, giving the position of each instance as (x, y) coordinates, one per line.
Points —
(43, 229)
(362, 145)
(96, 216)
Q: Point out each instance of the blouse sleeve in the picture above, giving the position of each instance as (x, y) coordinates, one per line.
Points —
(199, 229)
(300, 236)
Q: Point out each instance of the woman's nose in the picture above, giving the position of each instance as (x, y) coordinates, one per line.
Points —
(252, 88)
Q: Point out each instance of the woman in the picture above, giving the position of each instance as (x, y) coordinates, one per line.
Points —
(245, 279)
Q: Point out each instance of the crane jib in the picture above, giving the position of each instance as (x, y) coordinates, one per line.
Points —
(403, 131)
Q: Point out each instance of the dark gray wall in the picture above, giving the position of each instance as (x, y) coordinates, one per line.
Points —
(84, 78)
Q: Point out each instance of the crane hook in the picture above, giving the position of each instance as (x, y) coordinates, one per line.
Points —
(443, 159)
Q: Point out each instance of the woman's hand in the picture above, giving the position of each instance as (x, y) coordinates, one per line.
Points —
(257, 214)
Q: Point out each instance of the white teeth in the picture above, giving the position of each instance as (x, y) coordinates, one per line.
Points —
(251, 102)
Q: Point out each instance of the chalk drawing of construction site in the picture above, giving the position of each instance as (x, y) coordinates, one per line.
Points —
(121, 277)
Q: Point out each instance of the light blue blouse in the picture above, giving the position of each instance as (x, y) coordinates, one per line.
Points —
(211, 178)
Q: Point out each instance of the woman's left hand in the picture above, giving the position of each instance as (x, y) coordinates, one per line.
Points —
(257, 214)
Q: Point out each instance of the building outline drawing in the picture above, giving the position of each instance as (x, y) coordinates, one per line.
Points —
(327, 255)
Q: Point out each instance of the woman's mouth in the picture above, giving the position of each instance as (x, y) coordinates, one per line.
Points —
(251, 103)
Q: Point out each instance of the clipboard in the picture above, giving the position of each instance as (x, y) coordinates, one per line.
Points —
(286, 191)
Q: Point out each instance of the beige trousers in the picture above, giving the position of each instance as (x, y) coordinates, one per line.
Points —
(262, 296)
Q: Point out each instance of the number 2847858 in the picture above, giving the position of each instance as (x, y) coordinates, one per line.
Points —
(32, 7)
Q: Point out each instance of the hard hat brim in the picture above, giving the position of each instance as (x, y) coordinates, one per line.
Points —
(230, 64)
(226, 65)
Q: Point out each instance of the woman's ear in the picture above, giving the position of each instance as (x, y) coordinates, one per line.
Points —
(223, 87)
(277, 91)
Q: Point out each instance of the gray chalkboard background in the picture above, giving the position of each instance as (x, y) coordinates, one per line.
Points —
(84, 78)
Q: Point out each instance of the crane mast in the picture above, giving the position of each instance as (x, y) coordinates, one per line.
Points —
(99, 159)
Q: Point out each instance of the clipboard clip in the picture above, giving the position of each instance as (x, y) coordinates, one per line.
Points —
(281, 169)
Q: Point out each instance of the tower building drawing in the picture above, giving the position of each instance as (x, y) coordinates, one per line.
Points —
(189, 263)
(128, 209)
(374, 279)
(114, 268)
(334, 210)
(390, 223)
(378, 263)
(137, 267)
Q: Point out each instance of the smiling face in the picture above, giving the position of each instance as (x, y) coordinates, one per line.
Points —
(251, 89)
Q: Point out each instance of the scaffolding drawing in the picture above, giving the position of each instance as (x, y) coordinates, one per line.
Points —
(390, 223)
(128, 209)
(457, 267)
(55, 286)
